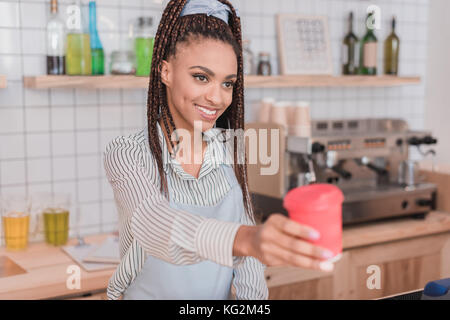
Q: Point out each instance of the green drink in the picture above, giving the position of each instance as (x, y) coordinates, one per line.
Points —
(144, 53)
(78, 57)
(98, 65)
(56, 226)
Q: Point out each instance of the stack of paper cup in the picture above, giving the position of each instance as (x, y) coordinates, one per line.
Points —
(279, 113)
(265, 109)
(300, 124)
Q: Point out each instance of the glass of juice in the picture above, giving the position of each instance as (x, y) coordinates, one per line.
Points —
(53, 215)
(16, 220)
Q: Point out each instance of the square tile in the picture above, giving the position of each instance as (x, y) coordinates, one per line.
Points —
(37, 119)
(89, 215)
(110, 116)
(34, 65)
(12, 172)
(63, 143)
(62, 97)
(11, 120)
(9, 15)
(38, 145)
(62, 118)
(64, 168)
(88, 190)
(87, 142)
(11, 67)
(34, 42)
(10, 41)
(36, 97)
(12, 146)
(39, 170)
(33, 15)
(88, 166)
(86, 117)
(12, 96)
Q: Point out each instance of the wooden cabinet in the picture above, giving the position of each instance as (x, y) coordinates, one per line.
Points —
(420, 254)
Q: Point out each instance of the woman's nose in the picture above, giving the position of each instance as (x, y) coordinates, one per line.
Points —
(214, 95)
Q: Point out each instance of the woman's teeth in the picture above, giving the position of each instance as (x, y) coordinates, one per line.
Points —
(210, 112)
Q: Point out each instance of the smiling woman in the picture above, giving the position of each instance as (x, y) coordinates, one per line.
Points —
(187, 229)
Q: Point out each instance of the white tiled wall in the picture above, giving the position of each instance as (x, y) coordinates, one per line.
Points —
(52, 140)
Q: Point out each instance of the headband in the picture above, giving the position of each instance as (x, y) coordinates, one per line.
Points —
(213, 8)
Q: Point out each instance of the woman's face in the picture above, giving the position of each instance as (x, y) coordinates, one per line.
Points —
(200, 76)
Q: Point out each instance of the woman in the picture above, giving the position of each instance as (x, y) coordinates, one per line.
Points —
(186, 227)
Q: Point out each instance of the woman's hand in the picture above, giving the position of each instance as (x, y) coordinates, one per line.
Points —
(282, 241)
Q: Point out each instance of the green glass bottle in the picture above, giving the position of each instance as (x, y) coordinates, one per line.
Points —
(391, 51)
(368, 50)
(143, 46)
(349, 50)
(98, 57)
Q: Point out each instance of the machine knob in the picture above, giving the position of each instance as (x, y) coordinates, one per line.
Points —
(414, 141)
(424, 202)
(317, 147)
(429, 140)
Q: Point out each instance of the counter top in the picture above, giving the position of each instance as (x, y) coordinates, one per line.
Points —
(397, 229)
(46, 272)
(46, 265)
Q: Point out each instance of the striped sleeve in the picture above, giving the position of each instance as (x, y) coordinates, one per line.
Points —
(249, 279)
(172, 235)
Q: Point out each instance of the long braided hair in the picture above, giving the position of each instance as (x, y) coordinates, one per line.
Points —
(172, 30)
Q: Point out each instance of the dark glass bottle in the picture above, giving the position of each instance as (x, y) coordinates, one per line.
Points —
(369, 49)
(391, 51)
(264, 67)
(349, 50)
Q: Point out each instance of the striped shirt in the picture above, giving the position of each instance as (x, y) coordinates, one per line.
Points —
(148, 225)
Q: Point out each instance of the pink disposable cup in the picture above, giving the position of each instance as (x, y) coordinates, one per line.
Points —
(320, 207)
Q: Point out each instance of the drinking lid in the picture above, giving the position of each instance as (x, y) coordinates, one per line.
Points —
(313, 197)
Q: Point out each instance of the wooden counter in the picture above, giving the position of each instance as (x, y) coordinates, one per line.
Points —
(46, 275)
(408, 253)
(412, 249)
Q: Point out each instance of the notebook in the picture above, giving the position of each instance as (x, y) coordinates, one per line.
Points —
(79, 253)
(106, 252)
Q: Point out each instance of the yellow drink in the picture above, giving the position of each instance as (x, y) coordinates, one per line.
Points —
(15, 226)
(78, 56)
(56, 224)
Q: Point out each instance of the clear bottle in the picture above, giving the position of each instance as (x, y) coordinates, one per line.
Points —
(248, 58)
(264, 67)
(78, 54)
(143, 46)
(391, 52)
(56, 35)
(97, 54)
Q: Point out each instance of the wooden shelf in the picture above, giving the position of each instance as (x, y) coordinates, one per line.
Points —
(133, 82)
(328, 81)
(2, 81)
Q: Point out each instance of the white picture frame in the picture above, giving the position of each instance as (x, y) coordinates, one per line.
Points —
(304, 45)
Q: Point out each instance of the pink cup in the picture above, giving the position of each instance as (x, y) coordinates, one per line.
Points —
(320, 207)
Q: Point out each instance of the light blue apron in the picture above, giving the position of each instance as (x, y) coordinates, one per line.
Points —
(201, 281)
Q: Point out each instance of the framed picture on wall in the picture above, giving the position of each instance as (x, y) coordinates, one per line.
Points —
(304, 45)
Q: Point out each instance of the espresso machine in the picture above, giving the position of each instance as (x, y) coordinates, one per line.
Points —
(368, 159)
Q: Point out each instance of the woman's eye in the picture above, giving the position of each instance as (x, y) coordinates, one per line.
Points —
(229, 84)
(200, 77)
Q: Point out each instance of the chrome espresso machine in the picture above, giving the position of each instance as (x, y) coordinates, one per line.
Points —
(367, 159)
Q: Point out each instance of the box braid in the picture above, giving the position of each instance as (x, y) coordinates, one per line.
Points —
(173, 30)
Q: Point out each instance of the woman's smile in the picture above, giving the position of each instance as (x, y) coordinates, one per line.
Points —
(208, 114)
